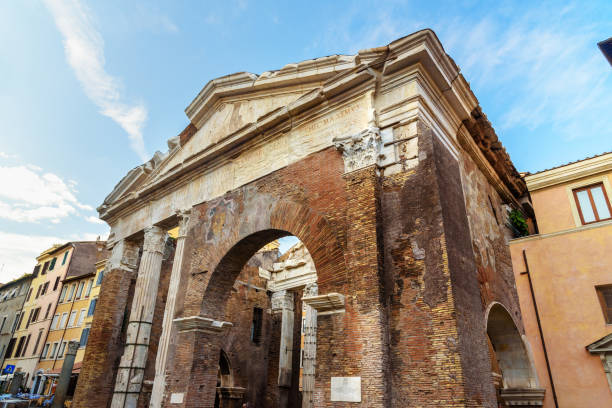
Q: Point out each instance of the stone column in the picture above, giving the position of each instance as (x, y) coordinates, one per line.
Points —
(159, 384)
(282, 302)
(64, 378)
(309, 356)
(134, 359)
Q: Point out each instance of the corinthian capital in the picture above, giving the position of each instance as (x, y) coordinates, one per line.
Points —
(154, 239)
(360, 150)
(183, 218)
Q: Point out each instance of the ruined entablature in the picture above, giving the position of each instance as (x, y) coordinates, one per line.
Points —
(295, 269)
(244, 126)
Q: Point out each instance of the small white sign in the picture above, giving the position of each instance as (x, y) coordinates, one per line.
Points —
(347, 389)
(176, 398)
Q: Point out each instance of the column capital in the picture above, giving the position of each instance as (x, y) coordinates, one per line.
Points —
(124, 256)
(282, 300)
(73, 347)
(183, 217)
(154, 239)
(326, 304)
(360, 150)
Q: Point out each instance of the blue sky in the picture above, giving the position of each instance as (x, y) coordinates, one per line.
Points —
(89, 90)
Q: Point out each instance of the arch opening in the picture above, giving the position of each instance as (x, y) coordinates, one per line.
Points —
(258, 286)
(509, 355)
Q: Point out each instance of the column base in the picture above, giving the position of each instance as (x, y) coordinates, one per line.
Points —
(524, 397)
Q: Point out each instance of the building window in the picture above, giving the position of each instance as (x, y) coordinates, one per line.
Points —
(89, 285)
(54, 322)
(92, 307)
(72, 319)
(63, 294)
(80, 290)
(48, 310)
(16, 322)
(25, 347)
(37, 341)
(56, 283)
(2, 325)
(64, 320)
(34, 315)
(45, 351)
(256, 326)
(84, 337)
(19, 346)
(29, 295)
(60, 353)
(52, 265)
(44, 289)
(11, 346)
(35, 271)
(605, 298)
(65, 256)
(593, 204)
(45, 266)
(70, 293)
(100, 277)
(82, 317)
(38, 291)
(53, 350)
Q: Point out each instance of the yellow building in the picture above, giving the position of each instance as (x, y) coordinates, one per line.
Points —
(33, 322)
(71, 321)
(564, 281)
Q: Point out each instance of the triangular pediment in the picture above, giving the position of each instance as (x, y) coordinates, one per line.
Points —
(603, 345)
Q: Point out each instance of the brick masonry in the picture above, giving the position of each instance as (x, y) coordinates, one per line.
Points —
(418, 255)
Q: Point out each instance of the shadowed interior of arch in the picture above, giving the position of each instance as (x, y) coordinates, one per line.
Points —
(509, 353)
(267, 356)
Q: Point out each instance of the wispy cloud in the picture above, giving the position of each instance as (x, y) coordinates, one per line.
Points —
(18, 252)
(29, 195)
(84, 47)
(4, 155)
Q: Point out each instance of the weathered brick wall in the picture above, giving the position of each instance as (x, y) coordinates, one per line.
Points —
(106, 341)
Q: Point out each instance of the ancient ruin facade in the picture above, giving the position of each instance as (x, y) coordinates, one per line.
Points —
(386, 169)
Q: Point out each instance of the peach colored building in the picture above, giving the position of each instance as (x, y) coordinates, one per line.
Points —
(564, 281)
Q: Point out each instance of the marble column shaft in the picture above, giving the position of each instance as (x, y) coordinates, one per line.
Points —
(131, 368)
(310, 348)
(159, 384)
(282, 302)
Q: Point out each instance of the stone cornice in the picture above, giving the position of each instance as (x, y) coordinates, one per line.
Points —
(329, 303)
(569, 172)
(201, 324)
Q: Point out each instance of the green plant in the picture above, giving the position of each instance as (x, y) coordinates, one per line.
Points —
(518, 223)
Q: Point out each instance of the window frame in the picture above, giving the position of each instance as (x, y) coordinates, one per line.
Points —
(588, 188)
(606, 308)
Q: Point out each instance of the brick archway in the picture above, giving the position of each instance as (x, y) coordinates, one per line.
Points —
(218, 256)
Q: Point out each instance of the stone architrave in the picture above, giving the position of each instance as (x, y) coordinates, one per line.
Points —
(131, 368)
(64, 378)
(310, 348)
(159, 382)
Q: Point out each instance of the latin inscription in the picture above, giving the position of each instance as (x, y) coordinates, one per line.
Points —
(347, 389)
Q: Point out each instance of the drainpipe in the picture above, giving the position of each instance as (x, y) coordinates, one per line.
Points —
(535, 307)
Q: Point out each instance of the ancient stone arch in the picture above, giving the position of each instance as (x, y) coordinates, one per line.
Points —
(519, 380)
(363, 157)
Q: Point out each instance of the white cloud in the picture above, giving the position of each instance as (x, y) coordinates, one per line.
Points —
(29, 195)
(84, 49)
(18, 252)
(95, 220)
(7, 156)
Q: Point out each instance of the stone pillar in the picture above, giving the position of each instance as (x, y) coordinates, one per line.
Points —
(96, 380)
(134, 359)
(282, 302)
(64, 378)
(309, 356)
(159, 384)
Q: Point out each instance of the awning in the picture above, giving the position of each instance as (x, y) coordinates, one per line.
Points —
(6, 377)
(76, 369)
